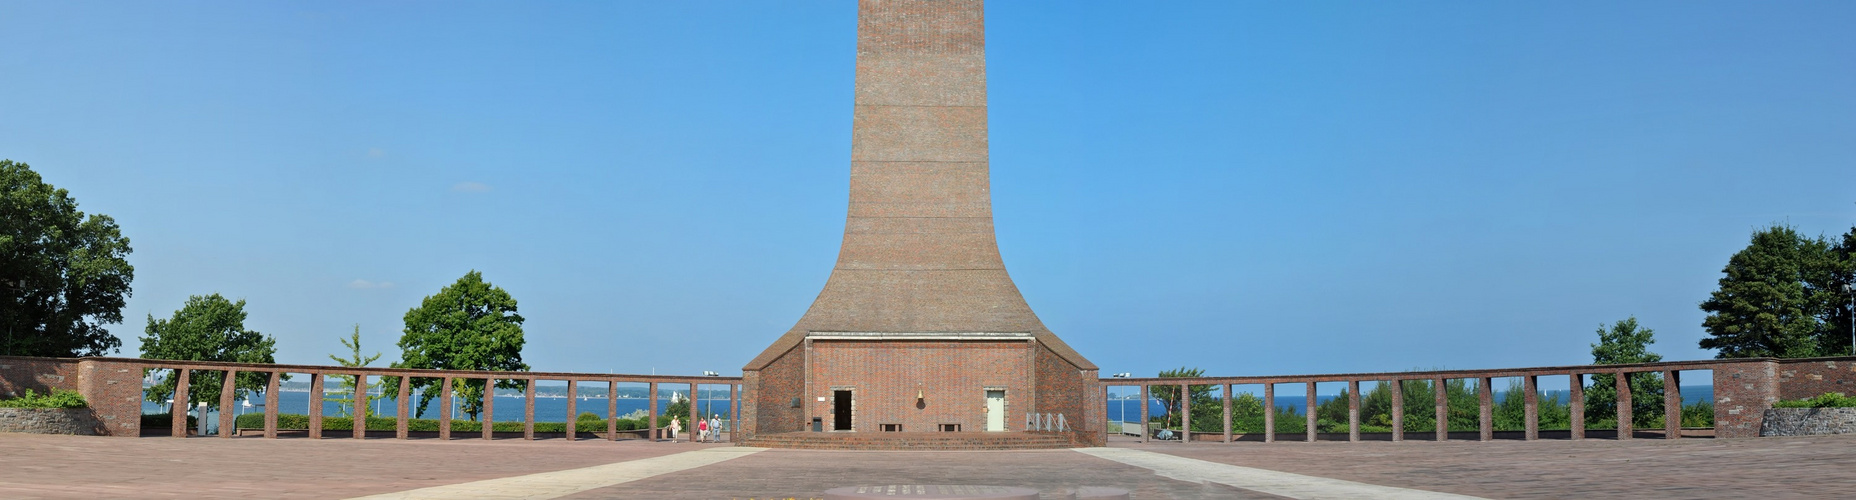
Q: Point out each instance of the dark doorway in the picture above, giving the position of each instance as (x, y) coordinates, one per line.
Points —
(841, 410)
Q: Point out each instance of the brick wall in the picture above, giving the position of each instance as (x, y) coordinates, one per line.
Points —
(1742, 393)
(41, 375)
(1799, 379)
(771, 393)
(113, 390)
(1063, 388)
(952, 378)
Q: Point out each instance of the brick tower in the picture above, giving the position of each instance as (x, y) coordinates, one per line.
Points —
(919, 328)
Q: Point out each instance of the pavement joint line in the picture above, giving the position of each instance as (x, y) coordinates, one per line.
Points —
(567, 482)
(1260, 480)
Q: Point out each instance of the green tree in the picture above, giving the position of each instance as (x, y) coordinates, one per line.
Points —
(1624, 343)
(207, 328)
(1782, 296)
(63, 275)
(469, 325)
(346, 383)
(1201, 397)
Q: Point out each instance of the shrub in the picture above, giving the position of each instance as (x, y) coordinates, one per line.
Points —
(165, 421)
(58, 398)
(1826, 400)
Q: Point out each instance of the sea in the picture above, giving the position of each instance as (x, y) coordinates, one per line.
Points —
(554, 409)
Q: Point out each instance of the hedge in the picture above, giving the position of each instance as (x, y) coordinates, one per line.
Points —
(1827, 400)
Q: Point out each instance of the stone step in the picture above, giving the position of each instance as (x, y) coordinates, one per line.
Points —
(911, 441)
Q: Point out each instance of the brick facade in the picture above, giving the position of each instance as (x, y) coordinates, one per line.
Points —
(919, 277)
(951, 378)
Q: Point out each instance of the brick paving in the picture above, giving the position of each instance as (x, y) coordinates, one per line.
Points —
(40, 466)
(47, 466)
(1767, 468)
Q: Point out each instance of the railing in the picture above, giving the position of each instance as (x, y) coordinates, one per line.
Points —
(183, 371)
(1750, 385)
(1047, 422)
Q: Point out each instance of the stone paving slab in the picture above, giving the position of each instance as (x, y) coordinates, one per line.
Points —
(1765, 468)
(49, 466)
(1262, 480)
(548, 485)
(806, 474)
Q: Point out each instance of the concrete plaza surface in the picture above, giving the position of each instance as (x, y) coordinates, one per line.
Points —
(40, 466)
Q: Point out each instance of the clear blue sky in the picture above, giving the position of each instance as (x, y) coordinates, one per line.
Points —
(1252, 188)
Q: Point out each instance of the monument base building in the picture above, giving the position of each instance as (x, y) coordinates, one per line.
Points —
(919, 328)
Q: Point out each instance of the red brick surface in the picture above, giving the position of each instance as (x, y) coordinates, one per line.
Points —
(44, 466)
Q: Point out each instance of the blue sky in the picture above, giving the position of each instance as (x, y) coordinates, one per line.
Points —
(1247, 187)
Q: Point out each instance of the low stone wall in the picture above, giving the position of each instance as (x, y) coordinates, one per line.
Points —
(1808, 421)
(78, 421)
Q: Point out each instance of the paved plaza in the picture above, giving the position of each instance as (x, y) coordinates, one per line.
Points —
(41, 466)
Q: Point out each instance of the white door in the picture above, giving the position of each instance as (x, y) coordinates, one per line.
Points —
(995, 411)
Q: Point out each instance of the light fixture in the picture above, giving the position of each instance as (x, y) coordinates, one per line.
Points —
(1122, 375)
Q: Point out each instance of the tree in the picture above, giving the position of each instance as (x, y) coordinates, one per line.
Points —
(207, 328)
(63, 275)
(1782, 297)
(469, 325)
(1201, 397)
(347, 382)
(1624, 343)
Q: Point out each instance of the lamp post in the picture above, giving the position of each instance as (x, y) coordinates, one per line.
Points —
(1851, 291)
(1124, 399)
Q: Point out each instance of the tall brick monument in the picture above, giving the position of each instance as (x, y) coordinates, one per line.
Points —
(919, 328)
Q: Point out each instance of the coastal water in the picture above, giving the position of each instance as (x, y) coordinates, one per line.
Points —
(1131, 407)
(506, 408)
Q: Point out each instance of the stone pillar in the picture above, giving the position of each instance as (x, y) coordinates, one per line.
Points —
(1269, 412)
(1532, 401)
(1227, 413)
(1398, 410)
(180, 405)
(444, 409)
(653, 404)
(695, 413)
(1353, 411)
(1743, 391)
(228, 393)
(489, 408)
(573, 420)
(1185, 413)
(360, 405)
(528, 409)
(1439, 389)
(1575, 402)
(1672, 404)
(401, 427)
(1485, 396)
(316, 380)
(734, 411)
(612, 410)
(1624, 409)
(1309, 412)
(270, 405)
(1145, 420)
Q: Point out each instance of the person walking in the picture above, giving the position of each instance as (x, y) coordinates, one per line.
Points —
(702, 431)
(675, 425)
(715, 426)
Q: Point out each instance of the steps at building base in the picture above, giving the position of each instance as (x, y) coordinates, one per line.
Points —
(912, 441)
